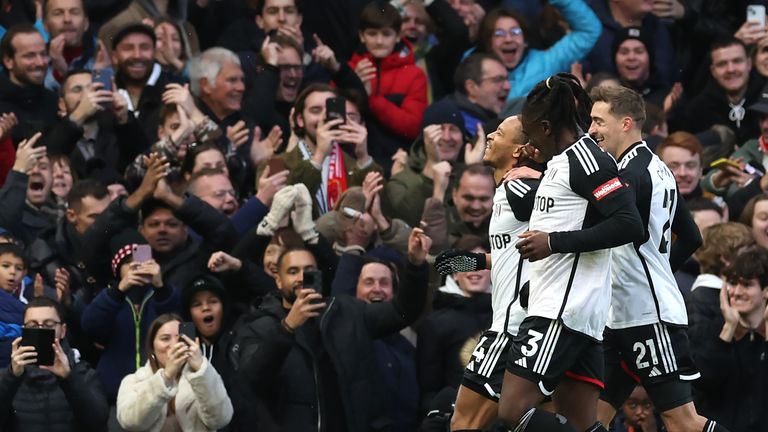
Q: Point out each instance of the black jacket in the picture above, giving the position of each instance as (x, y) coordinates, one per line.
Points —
(442, 334)
(733, 388)
(35, 107)
(116, 145)
(40, 401)
(279, 369)
(18, 216)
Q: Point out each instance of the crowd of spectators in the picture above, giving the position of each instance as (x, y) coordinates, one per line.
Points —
(281, 173)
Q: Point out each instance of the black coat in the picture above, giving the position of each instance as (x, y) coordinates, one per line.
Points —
(278, 368)
(39, 401)
(35, 107)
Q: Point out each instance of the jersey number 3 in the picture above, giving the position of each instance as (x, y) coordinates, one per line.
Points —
(666, 235)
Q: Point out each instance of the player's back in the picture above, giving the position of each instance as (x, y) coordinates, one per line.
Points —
(644, 287)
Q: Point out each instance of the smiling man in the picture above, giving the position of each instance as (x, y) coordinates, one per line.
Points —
(732, 89)
(25, 63)
(481, 89)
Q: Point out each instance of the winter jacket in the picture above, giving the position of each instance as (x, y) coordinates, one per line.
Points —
(733, 388)
(113, 321)
(394, 237)
(442, 335)
(200, 399)
(703, 303)
(11, 312)
(472, 113)
(398, 96)
(279, 369)
(537, 65)
(35, 107)
(17, 215)
(600, 58)
(711, 107)
(38, 401)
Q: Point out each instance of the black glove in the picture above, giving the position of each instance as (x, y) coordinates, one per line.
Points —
(457, 260)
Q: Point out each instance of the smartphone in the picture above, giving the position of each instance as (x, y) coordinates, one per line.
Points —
(335, 108)
(187, 329)
(142, 253)
(42, 340)
(103, 76)
(722, 162)
(276, 165)
(313, 279)
(756, 14)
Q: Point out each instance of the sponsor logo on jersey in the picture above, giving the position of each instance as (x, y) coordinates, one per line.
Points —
(607, 188)
(500, 241)
(543, 204)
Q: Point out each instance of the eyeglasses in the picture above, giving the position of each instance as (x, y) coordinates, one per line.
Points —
(512, 31)
(47, 324)
(498, 79)
(224, 192)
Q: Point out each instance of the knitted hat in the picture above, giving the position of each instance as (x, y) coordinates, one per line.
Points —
(636, 33)
(121, 246)
(132, 29)
(201, 282)
(443, 111)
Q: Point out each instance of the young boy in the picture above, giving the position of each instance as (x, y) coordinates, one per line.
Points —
(13, 268)
(396, 87)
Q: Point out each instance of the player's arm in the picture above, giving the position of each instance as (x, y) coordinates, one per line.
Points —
(520, 196)
(688, 235)
(615, 201)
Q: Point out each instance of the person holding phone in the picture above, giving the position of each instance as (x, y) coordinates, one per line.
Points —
(63, 396)
(118, 318)
(176, 389)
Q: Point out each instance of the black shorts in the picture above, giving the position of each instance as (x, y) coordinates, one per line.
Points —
(544, 351)
(484, 373)
(654, 355)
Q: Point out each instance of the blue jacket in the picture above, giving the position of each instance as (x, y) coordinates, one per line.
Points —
(601, 60)
(537, 65)
(112, 321)
(11, 312)
(9, 331)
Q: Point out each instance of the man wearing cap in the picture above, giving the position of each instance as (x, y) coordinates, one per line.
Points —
(632, 52)
(137, 76)
(734, 87)
(424, 183)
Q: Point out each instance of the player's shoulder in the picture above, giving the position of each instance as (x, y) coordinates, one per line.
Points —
(522, 187)
(585, 155)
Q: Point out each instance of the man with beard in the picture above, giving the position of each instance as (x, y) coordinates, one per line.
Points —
(25, 62)
(27, 207)
(307, 361)
(733, 87)
(137, 78)
(70, 46)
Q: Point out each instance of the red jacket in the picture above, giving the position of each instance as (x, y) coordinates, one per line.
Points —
(399, 92)
(7, 157)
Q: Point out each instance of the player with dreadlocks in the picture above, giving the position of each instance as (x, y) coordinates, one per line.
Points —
(580, 211)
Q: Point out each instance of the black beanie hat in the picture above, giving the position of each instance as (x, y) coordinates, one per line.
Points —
(632, 33)
(443, 111)
(132, 29)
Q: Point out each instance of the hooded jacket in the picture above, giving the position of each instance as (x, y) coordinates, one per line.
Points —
(398, 94)
(11, 312)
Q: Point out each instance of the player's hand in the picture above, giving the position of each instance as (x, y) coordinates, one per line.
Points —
(522, 172)
(456, 260)
(534, 245)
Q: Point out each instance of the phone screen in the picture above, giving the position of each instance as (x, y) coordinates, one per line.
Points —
(42, 340)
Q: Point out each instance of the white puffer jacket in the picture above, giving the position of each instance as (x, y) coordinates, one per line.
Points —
(202, 403)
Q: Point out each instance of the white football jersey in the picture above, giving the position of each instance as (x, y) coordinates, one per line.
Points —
(644, 287)
(580, 188)
(512, 204)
